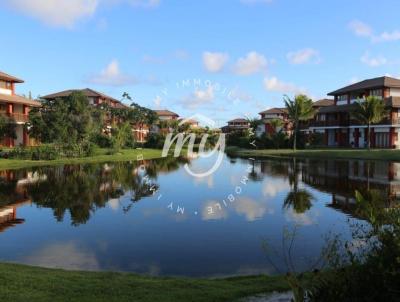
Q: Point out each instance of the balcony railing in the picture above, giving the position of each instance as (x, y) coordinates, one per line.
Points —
(344, 123)
(18, 117)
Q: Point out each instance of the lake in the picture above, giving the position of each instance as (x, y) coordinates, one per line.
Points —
(155, 218)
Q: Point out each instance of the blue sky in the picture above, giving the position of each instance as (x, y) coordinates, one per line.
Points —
(245, 54)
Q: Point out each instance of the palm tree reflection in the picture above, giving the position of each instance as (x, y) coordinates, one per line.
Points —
(297, 198)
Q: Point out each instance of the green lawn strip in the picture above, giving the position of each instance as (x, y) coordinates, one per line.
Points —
(100, 156)
(374, 154)
(26, 283)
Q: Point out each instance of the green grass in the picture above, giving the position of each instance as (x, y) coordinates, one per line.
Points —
(101, 155)
(373, 154)
(26, 283)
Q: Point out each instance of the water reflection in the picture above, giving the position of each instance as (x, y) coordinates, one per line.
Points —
(106, 216)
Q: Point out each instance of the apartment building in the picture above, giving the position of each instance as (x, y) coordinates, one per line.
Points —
(339, 129)
(16, 108)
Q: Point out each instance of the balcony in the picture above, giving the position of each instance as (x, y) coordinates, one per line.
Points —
(18, 117)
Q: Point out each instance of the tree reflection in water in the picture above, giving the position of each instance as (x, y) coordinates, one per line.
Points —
(297, 198)
(82, 189)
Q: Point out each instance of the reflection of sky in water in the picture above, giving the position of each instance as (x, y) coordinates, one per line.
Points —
(151, 238)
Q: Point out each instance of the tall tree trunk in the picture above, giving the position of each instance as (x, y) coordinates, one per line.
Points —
(295, 136)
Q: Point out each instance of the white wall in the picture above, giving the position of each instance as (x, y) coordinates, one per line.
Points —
(5, 91)
(394, 92)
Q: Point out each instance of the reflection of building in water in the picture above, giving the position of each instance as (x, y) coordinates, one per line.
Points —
(14, 195)
(8, 216)
(343, 178)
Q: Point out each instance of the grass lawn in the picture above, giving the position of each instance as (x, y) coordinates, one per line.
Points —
(373, 154)
(26, 283)
(101, 155)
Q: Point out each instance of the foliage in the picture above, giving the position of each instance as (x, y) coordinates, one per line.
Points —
(65, 121)
(315, 139)
(122, 136)
(155, 140)
(368, 266)
(299, 109)
(7, 128)
(370, 111)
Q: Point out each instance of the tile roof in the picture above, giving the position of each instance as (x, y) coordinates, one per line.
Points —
(87, 92)
(17, 99)
(7, 77)
(368, 84)
(323, 103)
(274, 111)
(165, 112)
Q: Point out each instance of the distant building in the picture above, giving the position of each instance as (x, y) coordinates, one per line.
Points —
(273, 114)
(139, 131)
(166, 115)
(17, 109)
(238, 124)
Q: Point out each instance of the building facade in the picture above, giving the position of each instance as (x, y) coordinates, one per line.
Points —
(16, 108)
(139, 131)
(339, 129)
(238, 124)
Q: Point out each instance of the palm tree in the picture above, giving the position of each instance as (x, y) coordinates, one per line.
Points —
(299, 109)
(370, 111)
(276, 123)
(254, 123)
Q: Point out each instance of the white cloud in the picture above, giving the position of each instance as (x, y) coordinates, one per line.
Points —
(373, 61)
(215, 61)
(112, 76)
(360, 28)
(66, 13)
(252, 63)
(273, 84)
(364, 30)
(387, 36)
(62, 13)
(199, 97)
(303, 56)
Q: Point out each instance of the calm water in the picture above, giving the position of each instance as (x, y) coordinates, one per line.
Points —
(157, 219)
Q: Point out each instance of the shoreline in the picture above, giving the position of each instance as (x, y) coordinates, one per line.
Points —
(101, 156)
(30, 283)
(373, 154)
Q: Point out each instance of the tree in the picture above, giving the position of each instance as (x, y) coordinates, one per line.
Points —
(370, 111)
(64, 121)
(275, 124)
(254, 123)
(299, 109)
(7, 128)
(122, 136)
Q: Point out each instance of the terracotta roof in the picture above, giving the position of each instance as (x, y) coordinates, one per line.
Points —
(165, 113)
(323, 103)
(274, 111)
(368, 84)
(19, 100)
(238, 120)
(7, 77)
(189, 121)
(87, 92)
(390, 102)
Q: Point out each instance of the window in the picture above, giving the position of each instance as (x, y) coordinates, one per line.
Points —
(376, 92)
(342, 97)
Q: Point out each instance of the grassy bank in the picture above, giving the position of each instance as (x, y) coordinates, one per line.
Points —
(101, 155)
(374, 154)
(25, 283)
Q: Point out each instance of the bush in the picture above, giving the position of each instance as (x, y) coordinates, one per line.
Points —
(102, 140)
(155, 140)
(44, 152)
